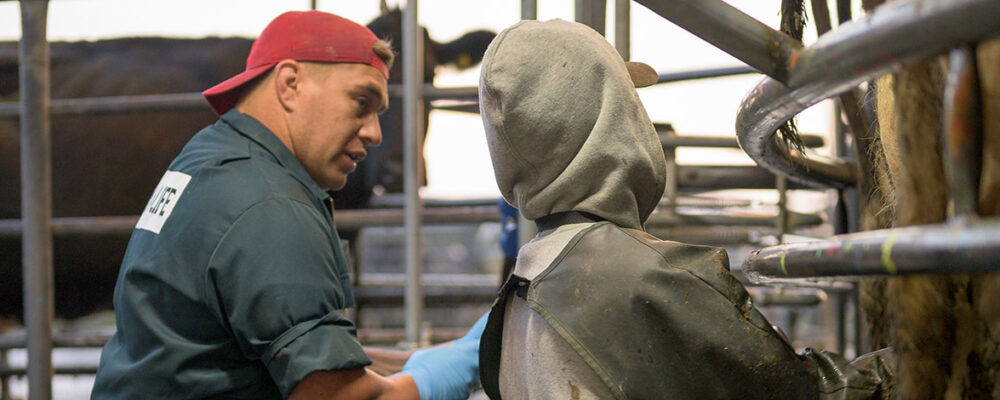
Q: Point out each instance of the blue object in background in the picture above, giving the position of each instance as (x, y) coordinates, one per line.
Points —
(508, 228)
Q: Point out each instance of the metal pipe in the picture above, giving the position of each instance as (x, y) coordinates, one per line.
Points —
(36, 196)
(719, 177)
(434, 295)
(780, 296)
(666, 141)
(890, 37)
(195, 101)
(943, 248)
(694, 217)
(191, 101)
(346, 220)
(782, 219)
(412, 125)
(670, 190)
(4, 381)
(850, 103)
(623, 28)
(732, 31)
(704, 74)
(591, 13)
(117, 104)
(963, 132)
(529, 9)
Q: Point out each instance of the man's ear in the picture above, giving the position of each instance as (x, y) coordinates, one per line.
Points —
(288, 76)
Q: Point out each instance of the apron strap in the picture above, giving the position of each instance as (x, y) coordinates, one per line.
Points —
(491, 342)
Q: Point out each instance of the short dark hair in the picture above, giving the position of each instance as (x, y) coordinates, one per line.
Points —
(383, 49)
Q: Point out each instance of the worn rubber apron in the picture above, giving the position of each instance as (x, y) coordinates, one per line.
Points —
(653, 319)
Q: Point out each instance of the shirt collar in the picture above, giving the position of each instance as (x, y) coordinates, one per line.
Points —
(257, 132)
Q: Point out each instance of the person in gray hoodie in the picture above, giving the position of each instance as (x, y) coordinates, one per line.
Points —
(596, 307)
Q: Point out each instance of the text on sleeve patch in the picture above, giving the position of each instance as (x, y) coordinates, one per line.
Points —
(165, 197)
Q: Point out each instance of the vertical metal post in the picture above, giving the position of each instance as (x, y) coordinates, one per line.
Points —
(413, 65)
(529, 9)
(36, 196)
(526, 229)
(670, 190)
(781, 183)
(963, 133)
(591, 13)
(623, 28)
(4, 380)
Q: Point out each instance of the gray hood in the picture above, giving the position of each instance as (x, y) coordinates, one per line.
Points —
(565, 127)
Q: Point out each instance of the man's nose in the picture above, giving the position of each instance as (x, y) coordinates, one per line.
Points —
(371, 132)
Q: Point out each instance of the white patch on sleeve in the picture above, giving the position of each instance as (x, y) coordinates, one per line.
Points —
(165, 197)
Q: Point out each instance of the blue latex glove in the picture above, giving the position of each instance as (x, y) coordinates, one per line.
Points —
(447, 372)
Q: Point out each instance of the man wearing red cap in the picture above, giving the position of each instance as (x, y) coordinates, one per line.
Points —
(234, 284)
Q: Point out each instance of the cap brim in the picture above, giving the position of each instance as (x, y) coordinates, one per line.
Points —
(223, 97)
(642, 75)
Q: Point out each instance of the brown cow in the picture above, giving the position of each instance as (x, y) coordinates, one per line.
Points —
(108, 164)
(945, 329)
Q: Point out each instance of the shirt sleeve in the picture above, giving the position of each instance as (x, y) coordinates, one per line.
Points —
(276, 285)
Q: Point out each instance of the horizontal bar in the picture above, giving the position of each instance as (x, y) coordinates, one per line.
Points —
(670, 77)
(668, 141)
(727, 218)
(81, 369)
(194, 101)
(345, 220)
(943, 248)
(732, 31)
(116, 104)
(780, 296)
(429, 279)
(714, 177)
(894, 35)
(59, 339)
(188, 101)
(357, 219)
(433, 295)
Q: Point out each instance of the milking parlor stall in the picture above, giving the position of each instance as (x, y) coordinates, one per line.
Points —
(845, 154)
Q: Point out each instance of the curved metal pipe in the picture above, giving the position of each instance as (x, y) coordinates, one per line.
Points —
(891, 37)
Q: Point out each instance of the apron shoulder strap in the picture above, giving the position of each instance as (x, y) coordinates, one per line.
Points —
(491, 342)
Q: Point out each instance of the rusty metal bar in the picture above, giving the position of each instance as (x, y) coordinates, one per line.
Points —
(36, 196)
(890, 37)
(963, 132)
(732, 31)
(942, 248)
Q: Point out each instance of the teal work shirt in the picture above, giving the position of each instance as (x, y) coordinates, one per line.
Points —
(234, 283)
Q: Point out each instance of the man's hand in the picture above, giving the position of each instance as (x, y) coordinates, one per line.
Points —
(440, 372)
(447, 372)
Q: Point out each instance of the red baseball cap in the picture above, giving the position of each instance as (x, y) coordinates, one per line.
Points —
(301, 36)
